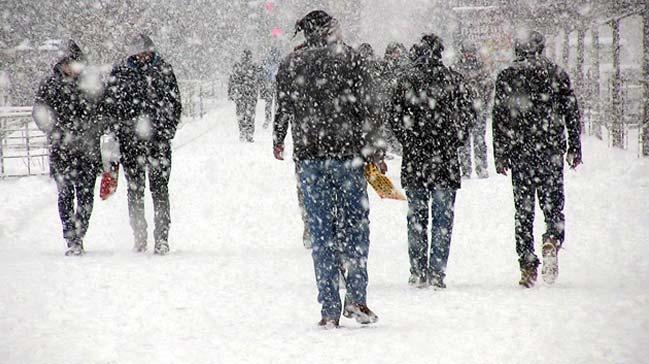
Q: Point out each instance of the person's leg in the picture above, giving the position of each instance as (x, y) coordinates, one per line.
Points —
(551, 198)
(480, 146)
(443, 213)
(418, 200)
(241, 119)
(159, 173)
(316, 184)
(524, 203)
(352, 217)
(464, 152)
(268, 111)
(85, 191)
(134, 165)
(65, 188)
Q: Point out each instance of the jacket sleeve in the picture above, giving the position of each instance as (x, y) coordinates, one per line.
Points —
(397, 111)
(501, 124)
(42, 112)
(374, 144)
(569, 110)
(170, 110)
(284, 107)
(467, 111)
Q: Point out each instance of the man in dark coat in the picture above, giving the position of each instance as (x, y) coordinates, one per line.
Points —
(243, 89)
(476, 75)
(429, 109)
(66, 114)
(320, 94)
(533, 106)
(143, 100)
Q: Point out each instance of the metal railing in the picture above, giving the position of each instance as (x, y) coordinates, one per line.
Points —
(23, 148)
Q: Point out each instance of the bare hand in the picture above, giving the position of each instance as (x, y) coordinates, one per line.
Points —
(382, 167)
(278, 152)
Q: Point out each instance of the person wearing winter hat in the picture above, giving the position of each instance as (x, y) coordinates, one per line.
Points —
(143, 106)
(534, 108)
(429, 112)
(65, 113)
(321, 88)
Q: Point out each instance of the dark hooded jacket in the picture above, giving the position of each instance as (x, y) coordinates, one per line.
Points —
(533, 106)
(430, 109)
(322, 93)
(147, 89)
(66, 114)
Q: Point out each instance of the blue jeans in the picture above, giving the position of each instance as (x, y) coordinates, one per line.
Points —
(442, 206)
(337, 209)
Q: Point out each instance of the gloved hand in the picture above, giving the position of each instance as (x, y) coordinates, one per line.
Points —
(574, 159)
(502, 166)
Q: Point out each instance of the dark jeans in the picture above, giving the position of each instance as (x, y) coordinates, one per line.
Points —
(442, 203)
(542, 178)
(336, 204)
(246, 110)
(136, 159)
(79, 184)
(476, 133)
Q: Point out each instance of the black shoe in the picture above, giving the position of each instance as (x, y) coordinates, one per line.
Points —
(329, 323)
(361, 313)
(418, 280)
(161, 248)
(437, 281)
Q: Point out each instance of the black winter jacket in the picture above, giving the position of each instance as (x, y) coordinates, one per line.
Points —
(533, 106)
(245, 82)
(323, 91)
(148, 90)
(66, 114)
(431, 113)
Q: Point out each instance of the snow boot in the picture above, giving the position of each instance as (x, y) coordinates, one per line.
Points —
(418, 280)
(437, 281)
(139, 246)
(550, 269)
(361, 313)
(528, 275)
(328, 323)
(74, 249)
(161, 248)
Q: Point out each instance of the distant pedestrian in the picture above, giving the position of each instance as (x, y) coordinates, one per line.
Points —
(243, 89)
(534, 106)
(428, 118)
(65, 113)
(142, 100)
(476, 75)
(320, 94)
(269, 89)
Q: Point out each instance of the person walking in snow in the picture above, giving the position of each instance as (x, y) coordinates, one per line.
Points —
(395, 61)
(534, 105)
(476, 75)
(320, 88)
(143, 101)
(269, 89)
(65, 113)
(243, 89)
(428, 116)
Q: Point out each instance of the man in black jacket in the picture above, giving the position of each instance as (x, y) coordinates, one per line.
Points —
(533, 106)
(429, 118)
(66, 114)
(243, 89)
(321, 94)
(143, 100)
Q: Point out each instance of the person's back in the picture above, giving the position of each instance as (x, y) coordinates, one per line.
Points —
(321, 88)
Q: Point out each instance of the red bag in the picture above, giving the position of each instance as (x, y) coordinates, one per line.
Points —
(109, 182)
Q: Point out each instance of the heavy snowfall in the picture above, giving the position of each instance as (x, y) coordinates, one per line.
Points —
(232, 265)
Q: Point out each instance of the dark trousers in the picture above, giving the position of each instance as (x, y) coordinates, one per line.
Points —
(440, 205)
(542, 178)
(246, 110)
(80, 185)
(477, 134)
(268, 111)
(136, 160)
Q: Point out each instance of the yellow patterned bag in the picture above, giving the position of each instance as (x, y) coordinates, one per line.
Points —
(381, 183)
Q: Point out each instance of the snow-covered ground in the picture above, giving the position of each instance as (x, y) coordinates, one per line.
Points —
(239, 287)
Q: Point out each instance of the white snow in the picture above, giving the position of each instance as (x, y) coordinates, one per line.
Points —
(239, 287)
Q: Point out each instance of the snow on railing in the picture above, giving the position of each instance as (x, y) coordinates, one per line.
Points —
(23, 148)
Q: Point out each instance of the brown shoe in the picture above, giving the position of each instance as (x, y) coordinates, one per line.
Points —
(528, 276)
(328, 323)
(361, 313)
(550, 269)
